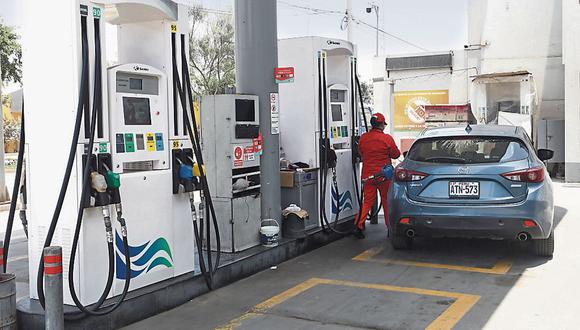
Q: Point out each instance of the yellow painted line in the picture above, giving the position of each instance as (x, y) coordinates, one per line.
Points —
(368, 254)
(500, 268)
(447, 320)
(454, 313)
(290, 293)
(237, 321)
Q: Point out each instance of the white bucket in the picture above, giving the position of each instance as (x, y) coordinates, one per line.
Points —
(269, 232)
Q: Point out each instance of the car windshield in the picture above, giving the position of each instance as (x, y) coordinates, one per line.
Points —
(468, 150)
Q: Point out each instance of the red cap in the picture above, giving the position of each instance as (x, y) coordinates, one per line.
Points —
(379, 117)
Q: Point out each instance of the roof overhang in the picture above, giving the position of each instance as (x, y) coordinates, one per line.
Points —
(499, 77)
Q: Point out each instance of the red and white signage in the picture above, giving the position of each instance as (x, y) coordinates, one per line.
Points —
(284, 75)
(238, 156)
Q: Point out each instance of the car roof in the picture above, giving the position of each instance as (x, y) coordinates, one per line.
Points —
(476, 130)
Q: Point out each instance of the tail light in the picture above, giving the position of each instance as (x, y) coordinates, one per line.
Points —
(532, 175)
(405, 175)
(530, 223)
(405, 221)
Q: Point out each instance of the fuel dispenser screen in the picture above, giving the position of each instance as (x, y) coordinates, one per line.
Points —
(245, 110)
(137, 111)
(136, 84)
(337, 96)
(336, 112)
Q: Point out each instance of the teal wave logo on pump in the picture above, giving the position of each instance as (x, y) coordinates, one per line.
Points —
(144, 258)
(341, 202)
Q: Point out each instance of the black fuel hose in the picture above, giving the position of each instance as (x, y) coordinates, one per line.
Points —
(362, 103)
(193, 135)
(322, 141)
(199, 246)
(83, 91)
(97, 109)
(197, 231)
(324, 146)
(14, 200)
(199, 157)
(354, 141)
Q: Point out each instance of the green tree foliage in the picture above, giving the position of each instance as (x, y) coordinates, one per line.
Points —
(211, 51)
(10, 55)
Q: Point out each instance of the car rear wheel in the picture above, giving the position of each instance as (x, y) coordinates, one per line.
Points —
(544, 247)
(401, 242)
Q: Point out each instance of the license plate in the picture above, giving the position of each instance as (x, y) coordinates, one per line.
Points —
(464, 189)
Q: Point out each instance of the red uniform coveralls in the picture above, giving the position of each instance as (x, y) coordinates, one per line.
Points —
(376, 149)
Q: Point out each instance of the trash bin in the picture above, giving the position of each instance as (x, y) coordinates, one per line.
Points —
(7, 302)
(293, 222)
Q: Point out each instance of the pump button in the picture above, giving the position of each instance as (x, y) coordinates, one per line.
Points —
(120, 143)
(140, 142)
(129, 142)
(159, 141)
(150, 142)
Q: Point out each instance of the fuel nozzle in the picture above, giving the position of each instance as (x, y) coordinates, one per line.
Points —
(113, 183)
(197, 170)
(186, 177)
(99, 186)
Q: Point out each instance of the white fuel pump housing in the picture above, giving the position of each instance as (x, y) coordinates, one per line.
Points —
(133, 130)
(139, 117)
(322, 91)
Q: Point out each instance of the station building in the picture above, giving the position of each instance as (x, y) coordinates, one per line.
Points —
(520, 66)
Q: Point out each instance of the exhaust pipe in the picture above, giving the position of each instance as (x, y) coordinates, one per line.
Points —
(523, 237)
(410, 233)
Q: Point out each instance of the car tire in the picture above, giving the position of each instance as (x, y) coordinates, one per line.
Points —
(401, 242)
(544, 247)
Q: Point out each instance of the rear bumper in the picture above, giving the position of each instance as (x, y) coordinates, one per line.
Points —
(502, 221)
(467, 227)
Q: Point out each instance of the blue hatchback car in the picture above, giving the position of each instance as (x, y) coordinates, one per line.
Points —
(480, 181)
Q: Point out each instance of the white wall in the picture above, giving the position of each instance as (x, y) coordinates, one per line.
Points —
(523, 35)
(571, 54)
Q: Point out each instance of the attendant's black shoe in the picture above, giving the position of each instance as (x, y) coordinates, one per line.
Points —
(359, 234)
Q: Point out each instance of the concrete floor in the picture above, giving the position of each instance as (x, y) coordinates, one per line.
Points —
(440, 284)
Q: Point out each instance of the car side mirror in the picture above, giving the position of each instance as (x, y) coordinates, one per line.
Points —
(545, 154)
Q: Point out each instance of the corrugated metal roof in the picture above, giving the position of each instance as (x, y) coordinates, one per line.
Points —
(501, 75)
(419, 62)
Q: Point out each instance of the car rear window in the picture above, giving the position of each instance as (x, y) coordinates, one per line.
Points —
(468, 150)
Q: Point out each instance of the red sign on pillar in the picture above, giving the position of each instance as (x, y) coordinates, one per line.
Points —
(284, 75)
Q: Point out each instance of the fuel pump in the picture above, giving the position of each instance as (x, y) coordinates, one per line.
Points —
(322, 100)
(120, 160)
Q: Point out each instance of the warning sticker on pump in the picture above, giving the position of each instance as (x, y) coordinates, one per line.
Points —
(238, 153)
(238, 156)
